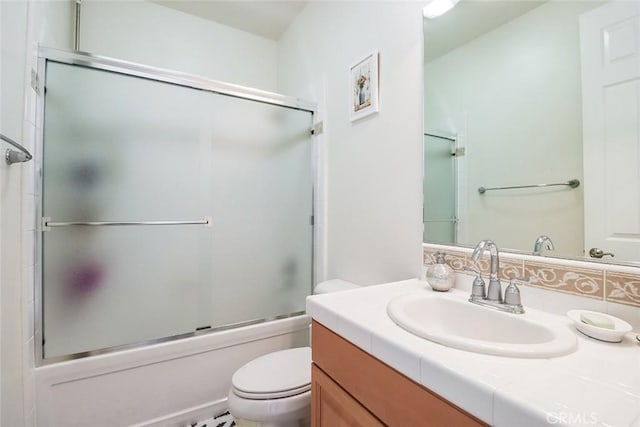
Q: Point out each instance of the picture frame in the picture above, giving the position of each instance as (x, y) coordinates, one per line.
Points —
(363, 85)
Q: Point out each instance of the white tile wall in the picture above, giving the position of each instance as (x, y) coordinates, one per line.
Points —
(30, 420)
(28, 308)
(15, 315)
(28, 218)
(34, 21)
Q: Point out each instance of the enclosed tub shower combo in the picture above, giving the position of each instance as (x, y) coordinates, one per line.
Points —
(171, 205)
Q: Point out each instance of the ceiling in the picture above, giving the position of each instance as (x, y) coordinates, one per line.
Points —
(270, 19)
(265, 18)
(468, 20)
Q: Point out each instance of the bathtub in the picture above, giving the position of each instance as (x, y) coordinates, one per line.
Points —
(168, 384)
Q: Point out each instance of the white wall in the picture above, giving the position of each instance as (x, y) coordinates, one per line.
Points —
(478, 90)
(151, 34)
(370, 205)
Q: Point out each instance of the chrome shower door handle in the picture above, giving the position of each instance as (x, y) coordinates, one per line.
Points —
(599, 253)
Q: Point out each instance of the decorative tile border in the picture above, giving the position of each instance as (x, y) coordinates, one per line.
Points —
(611, 283)
(508, 268)
(623, 288)
(455, 260)
(572, 280)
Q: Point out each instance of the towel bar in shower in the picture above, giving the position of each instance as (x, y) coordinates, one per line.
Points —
(452, 138)
(47, 224)
(12, 156)
(574, 183)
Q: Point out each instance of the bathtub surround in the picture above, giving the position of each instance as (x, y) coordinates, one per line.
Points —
(168, 384)
(24, 25)
(13, 28)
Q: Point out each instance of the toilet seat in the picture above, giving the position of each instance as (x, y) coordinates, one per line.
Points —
(275, 375)
(274, 395)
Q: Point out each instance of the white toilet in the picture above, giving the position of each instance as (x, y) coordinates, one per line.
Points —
(274, 390)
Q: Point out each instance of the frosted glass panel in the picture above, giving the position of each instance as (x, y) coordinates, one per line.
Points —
(121, 148)
(106, 287)
(439, 190)
(261, 207)
(440, 231)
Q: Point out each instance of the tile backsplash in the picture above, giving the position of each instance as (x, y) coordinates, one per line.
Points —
(603, 282)
(622, 287)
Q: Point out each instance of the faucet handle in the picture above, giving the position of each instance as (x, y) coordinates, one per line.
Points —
(512, 293)
(477, 289)
(542, 242)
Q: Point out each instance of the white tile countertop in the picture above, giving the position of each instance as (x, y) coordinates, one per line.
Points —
(598, 384)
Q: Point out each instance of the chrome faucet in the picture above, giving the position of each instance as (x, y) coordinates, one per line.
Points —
(493, 296)
(494, 291)
(542, 242)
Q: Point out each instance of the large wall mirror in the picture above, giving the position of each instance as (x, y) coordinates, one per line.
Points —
(544, 97)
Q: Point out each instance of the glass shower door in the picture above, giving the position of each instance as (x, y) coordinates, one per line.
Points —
(167, 209)
(261, 202)
(439, 211)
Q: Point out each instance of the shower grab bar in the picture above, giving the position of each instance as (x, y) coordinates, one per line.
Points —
(12, 156)
(47, 223)
(574, 183)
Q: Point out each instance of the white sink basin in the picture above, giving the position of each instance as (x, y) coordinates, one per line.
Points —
(453, 321)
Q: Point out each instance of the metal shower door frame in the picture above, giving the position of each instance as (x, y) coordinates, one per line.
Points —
(177, 78)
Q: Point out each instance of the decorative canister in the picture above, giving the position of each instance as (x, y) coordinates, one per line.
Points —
(439, 275)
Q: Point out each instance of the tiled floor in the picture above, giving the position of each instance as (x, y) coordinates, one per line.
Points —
(223, 420)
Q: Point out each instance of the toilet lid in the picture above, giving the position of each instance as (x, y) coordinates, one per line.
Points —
(280, 374)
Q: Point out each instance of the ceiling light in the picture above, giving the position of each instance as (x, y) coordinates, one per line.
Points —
(438, 7)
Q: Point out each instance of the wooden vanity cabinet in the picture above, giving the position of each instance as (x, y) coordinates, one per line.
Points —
(351, 388)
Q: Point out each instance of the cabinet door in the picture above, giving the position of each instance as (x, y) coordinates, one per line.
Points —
(388, 397)
(334, 407)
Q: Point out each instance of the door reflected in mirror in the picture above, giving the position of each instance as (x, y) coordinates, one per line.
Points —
(531, 127)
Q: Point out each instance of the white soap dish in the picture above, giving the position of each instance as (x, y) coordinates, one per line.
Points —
(603, 334)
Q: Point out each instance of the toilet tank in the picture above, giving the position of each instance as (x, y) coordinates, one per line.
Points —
(334, 285)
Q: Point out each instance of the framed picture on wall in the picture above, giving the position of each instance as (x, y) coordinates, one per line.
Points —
(363, 80)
